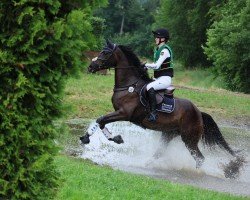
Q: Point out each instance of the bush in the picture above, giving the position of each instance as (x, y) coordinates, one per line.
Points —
(228, 45)
(187, 22)
(41, 43)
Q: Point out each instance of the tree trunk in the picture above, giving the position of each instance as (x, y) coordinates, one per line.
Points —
(122, 25)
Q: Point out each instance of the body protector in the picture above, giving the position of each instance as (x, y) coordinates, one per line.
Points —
(166, 68)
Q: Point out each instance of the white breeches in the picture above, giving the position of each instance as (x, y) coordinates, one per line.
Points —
(160, 83)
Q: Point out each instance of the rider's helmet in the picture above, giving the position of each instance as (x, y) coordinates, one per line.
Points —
(161, 33)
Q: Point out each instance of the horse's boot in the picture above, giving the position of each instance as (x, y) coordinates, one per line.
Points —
(152, 104)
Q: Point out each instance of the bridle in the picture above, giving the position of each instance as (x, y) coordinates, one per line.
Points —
(105, 62)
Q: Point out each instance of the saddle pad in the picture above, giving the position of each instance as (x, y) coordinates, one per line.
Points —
(167, 105)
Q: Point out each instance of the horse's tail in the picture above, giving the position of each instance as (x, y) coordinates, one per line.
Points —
(212, 134)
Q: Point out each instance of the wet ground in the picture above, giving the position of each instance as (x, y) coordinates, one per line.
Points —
(135, 155)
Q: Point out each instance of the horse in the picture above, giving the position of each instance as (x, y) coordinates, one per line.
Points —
(186, 120)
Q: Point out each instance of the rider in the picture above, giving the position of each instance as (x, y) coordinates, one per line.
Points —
(163, 69)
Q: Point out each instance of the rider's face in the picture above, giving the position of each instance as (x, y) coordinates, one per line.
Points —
(157, 40)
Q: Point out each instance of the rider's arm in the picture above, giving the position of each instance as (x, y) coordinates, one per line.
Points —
(163, 56)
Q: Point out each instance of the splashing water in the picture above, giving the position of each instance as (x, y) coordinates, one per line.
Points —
(176, 164)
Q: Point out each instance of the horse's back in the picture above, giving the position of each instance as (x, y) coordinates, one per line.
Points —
(186, 107)
(185, 104)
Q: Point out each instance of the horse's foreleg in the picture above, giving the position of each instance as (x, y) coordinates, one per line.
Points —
(91, 130)
(101, 122)
(111, 117)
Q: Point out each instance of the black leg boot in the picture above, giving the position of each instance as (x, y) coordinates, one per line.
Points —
(152, 103)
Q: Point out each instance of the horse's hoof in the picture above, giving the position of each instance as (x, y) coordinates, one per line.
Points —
(199, 163)
(118, 139)
(85, 139)
(157, 155)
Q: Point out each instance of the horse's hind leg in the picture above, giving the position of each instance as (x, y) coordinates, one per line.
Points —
(192, 145)
(166, 137)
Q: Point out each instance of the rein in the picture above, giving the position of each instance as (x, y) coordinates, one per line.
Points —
(126, 87)
(123, 88)
(124, 67)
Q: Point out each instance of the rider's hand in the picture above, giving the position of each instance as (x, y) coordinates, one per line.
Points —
(144, 66)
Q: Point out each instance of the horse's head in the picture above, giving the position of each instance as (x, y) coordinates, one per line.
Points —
(105, 59)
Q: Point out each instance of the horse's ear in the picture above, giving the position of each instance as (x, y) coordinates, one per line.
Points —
(110, 44)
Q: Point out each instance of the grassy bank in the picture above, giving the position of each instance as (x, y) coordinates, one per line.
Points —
(89, 97)
(84, 180)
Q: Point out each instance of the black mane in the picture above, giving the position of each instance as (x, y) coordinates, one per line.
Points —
(134, 61)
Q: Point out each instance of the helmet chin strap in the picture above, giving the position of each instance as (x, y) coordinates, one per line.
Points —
(161, 40)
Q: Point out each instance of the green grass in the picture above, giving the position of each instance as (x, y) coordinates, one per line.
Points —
(224, 103)
(198, 78)
(90, 96)
(84, 180)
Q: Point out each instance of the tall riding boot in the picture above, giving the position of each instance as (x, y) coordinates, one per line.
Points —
(152, 103)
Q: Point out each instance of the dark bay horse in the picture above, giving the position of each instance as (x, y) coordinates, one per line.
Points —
(186, 120)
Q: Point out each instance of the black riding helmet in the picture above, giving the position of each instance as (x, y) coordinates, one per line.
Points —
(161, 33)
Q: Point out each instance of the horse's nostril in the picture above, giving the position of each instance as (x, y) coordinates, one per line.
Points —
(91, 69)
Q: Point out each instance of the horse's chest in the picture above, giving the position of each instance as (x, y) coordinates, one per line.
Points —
(128, 100)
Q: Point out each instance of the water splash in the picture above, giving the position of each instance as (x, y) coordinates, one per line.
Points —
(136, 155)
(140, 146)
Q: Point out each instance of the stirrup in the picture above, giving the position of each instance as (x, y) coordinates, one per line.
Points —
(152, 117)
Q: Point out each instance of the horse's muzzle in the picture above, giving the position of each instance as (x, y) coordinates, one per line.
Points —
(93, 67)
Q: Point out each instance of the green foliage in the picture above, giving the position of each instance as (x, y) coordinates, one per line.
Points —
(98, 25)
(187, 22)
(129, 23)
(138, 41)
(41, 44)
(228, 45)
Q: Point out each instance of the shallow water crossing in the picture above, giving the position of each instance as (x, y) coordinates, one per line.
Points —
(175, 164)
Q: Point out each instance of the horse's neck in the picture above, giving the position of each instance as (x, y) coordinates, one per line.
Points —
(125, 75)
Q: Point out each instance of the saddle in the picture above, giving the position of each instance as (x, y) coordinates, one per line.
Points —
(164, 99)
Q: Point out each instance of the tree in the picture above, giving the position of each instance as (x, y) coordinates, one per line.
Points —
(187, 22)
(41, 44)
(129, 23)
(114, 15)
(228, 45)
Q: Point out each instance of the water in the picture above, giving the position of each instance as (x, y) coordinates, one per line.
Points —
(176, 164)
